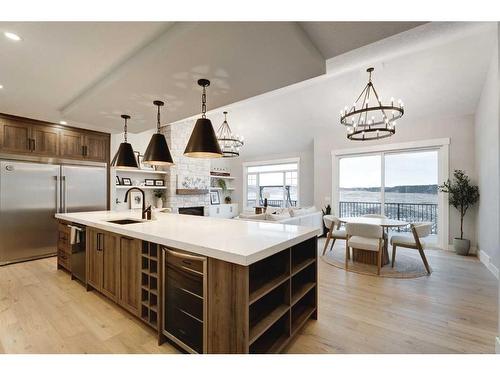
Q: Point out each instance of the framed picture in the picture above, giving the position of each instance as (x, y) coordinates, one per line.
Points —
(118, 182)
(149, 182)
(159, 182)
(126, 181)
(142, 165)
(135, 199)
(214, 197)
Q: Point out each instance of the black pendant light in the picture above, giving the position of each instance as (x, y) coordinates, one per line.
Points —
(203, 142)
(125, 157)
(157, 152)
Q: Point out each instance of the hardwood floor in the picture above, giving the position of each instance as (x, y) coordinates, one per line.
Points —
(452, 311)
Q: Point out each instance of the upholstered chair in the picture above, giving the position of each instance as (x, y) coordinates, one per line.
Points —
(365, 237)
(334, 231)
(414, 241)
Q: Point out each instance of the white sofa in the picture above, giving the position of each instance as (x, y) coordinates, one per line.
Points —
(308, 217)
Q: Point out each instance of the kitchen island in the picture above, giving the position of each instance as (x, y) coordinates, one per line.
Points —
(208, 285)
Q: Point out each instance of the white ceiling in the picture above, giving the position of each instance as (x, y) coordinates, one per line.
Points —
(336, 38)
(89, 73)
(57, 60)
(441, 77)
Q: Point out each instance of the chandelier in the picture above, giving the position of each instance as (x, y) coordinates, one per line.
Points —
(230, 144)
(365, 123)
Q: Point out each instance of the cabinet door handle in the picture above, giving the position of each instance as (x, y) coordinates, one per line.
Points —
(99, 242)
(185, 256)
(33, 147)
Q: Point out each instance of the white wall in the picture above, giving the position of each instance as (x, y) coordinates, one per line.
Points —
(487, 166)
(306, 177)
(460, 130)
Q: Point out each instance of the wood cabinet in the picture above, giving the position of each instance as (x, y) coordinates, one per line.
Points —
(110, 249)
(130, 284)
(113, 267)
(71, 144)
(44, 140)
(14, 137)
(95, 147)
(94, 258)
(31, 137)
(63, 246)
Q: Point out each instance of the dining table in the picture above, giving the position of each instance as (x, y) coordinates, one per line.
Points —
(370, 257)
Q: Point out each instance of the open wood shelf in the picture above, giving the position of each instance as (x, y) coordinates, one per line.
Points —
(302, 291)
(303, 264)
(262, 325)
(282, 296)
(149, 283)
(267, 287)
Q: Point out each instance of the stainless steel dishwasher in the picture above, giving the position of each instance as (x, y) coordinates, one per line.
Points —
(78, 246)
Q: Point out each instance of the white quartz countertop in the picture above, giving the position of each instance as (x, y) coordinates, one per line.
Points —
(236, 241)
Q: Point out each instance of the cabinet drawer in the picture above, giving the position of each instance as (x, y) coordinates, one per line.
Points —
(185, 261)
(63, 258)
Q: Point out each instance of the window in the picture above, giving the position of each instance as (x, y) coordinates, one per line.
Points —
(277, 181)
(401, 185)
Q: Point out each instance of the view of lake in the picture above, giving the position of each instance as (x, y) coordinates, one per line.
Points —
(353, 195)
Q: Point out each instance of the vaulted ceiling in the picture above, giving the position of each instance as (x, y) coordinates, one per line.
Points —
(88, 73)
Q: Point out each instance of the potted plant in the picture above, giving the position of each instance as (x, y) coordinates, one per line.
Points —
(159, 197)
(326, 211)
(462, 195)
(222, 184)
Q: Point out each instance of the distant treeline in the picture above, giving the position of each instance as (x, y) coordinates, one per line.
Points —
(422, 189)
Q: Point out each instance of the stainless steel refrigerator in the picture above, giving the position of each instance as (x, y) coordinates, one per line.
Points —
(30, 195)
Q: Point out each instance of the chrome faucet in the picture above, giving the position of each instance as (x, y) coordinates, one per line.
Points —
(146, 212)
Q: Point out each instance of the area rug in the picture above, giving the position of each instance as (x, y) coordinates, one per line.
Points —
(407, 266)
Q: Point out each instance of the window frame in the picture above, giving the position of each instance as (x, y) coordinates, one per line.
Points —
(440, 144)
(245, 166)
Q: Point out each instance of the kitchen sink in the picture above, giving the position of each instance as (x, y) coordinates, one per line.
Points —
(125, 221)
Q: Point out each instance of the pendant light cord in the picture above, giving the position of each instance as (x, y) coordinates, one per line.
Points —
(158, 120)
(125, 131)
(203, 103)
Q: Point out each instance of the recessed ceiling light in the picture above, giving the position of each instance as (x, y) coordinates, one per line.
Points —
(12, 36)
(1, 87)
(62, 122)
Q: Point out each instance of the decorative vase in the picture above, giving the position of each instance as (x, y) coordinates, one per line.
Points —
(460, 246)
(159, 203)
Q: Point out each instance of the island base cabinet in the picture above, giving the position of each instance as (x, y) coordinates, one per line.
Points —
(249, 309)
(113, 267)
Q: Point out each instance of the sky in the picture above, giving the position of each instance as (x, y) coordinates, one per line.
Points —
(409, 168)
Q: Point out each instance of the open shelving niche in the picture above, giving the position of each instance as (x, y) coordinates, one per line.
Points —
(282, 296)
(150, 283)
(117, 192)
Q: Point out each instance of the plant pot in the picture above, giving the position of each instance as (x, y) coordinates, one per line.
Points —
(461, 247)
(159, 203)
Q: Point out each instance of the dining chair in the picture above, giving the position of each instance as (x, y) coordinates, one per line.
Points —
(376, 215)
(334, 231)
(413, 241)
(365, 237)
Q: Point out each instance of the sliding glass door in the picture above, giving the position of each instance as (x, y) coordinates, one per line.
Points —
(360, 185)
(400, 185)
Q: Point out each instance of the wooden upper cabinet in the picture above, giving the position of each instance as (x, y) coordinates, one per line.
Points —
(44, 140)
(71, 144)
(96, 147)
(14, 136)
(31, 137)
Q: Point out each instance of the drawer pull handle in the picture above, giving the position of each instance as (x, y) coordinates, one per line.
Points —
(186, 256)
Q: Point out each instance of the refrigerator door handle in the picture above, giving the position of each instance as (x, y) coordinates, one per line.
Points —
(58, 197)
(64, 194)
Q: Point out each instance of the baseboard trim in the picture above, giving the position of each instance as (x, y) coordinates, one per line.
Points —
(497, 345)
(485, 259)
